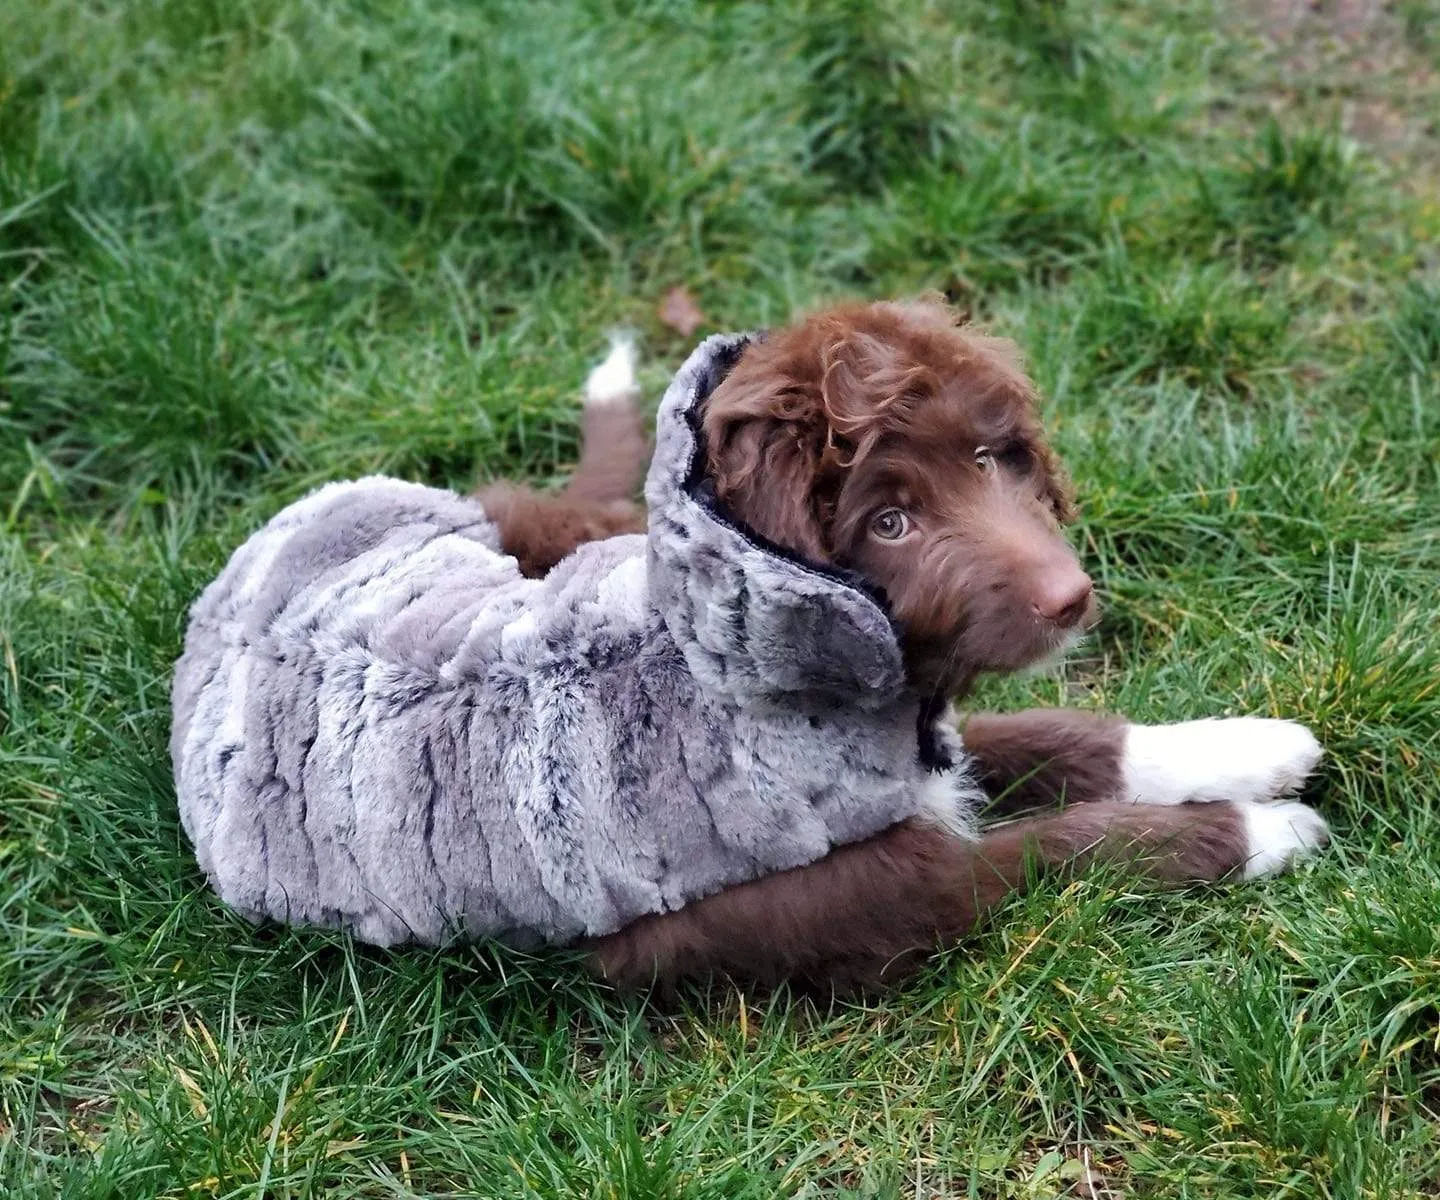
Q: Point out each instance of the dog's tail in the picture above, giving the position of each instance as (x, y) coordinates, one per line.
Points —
(613, 381)
(613, 447)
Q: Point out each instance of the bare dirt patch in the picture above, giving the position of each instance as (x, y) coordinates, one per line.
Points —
(1377, 60)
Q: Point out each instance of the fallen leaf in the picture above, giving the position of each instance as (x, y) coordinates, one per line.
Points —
(678, 311)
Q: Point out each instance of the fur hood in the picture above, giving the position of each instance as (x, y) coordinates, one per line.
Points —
(380, 725)
(756, 623)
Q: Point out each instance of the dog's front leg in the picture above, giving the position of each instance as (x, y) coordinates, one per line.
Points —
(1043, 757)
(868, 913)
(1046, 756)
(1231, 758)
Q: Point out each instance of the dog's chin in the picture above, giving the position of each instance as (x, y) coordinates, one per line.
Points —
(1037, 662)
(1051, 659)
(1032, 649)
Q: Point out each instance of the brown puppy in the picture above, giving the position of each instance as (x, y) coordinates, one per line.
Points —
(885, 439)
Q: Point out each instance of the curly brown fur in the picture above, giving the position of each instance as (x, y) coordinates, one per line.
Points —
(867, 410)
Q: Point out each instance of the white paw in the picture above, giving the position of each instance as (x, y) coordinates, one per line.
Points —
(613, 381)
(1279, 835)
(1236, 758)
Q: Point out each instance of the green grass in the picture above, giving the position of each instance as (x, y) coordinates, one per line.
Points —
(245, 248)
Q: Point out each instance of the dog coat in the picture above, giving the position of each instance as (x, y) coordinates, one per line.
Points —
(380, 725)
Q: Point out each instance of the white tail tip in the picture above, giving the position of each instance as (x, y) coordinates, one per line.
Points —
(613, 381)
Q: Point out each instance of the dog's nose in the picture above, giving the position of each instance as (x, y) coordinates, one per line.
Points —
(1063, 596)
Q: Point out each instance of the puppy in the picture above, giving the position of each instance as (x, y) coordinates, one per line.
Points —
(885, 440)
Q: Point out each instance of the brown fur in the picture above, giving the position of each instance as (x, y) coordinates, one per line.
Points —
(1044, 757)
(817, 429)
(867, 914)
(866, 407)
(540, 529)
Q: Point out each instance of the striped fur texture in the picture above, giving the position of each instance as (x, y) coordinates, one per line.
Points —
(380, 725)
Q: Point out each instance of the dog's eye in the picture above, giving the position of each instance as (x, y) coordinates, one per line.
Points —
(890, 524)
(1014, 457)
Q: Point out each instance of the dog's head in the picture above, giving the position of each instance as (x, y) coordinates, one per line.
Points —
(885, 439)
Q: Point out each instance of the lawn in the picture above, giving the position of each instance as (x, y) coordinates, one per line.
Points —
(249, 247)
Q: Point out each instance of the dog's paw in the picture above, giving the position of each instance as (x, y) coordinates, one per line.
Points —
(1279, 835)
(1236, 758)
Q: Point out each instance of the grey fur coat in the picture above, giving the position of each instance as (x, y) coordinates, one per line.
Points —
(380, 725)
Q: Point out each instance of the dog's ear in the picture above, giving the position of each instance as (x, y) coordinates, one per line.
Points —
(794, 415)
(765, 457)
(868, 382)
(1059, 491)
